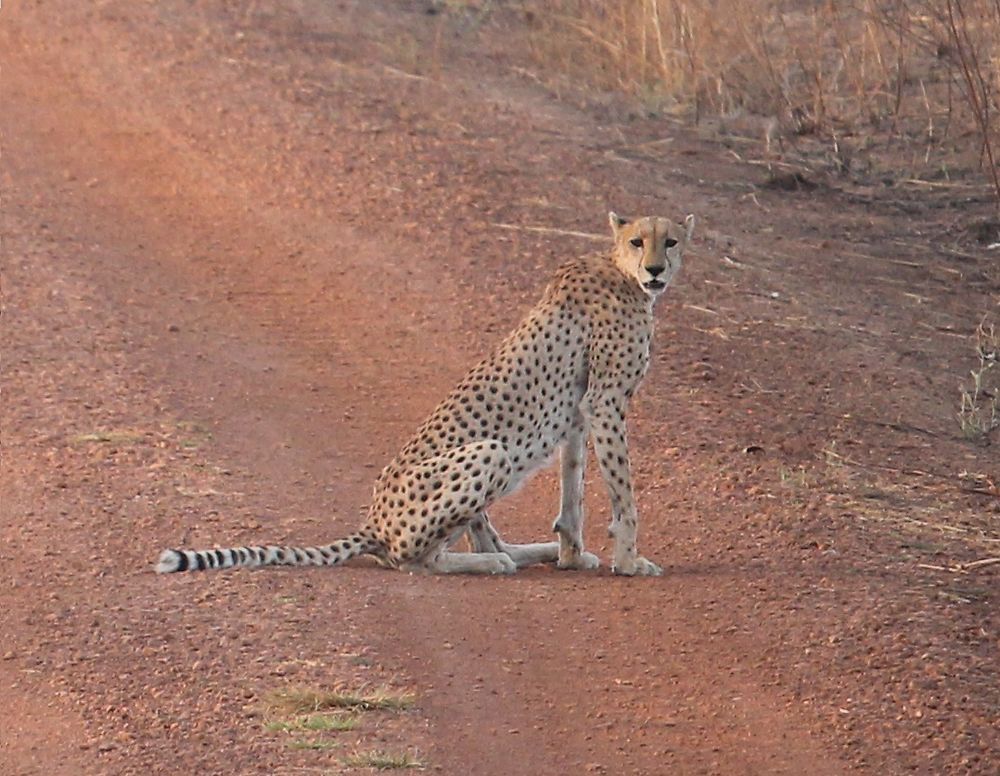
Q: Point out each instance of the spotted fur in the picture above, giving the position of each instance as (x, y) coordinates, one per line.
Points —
(569, 369)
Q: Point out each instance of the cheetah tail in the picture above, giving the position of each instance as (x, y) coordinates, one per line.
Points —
(252, 557)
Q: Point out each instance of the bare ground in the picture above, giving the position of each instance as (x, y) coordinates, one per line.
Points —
(247, 249)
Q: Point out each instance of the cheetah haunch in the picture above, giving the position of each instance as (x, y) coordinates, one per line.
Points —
(569, 368)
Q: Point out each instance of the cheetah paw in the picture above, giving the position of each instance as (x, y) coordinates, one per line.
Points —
(585, 561)
(504, 565)
(639, 567)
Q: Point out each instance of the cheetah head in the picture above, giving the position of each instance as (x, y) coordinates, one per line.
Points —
(649, 249)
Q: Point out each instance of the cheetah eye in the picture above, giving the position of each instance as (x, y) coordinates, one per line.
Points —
(636, 241)
(670, 242)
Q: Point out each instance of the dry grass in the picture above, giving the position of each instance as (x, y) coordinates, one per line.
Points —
(307, 710)
(112, 436)
(310, 701)
(314, 745)
(314, 723)
(382, 760)
(978, 412)
(924, 70)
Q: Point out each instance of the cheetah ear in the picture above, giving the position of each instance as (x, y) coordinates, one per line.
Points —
(689, 226)
(617, 222)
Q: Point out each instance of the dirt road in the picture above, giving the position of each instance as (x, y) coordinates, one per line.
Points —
(246, 250)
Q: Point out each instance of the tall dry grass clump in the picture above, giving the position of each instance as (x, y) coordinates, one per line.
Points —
(926, 67)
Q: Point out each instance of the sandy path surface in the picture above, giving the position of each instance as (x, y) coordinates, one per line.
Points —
(247, 250)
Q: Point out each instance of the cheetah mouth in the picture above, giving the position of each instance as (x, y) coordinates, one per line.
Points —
(654, 285)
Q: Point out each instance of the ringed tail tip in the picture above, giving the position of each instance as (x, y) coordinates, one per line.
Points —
(170, 561)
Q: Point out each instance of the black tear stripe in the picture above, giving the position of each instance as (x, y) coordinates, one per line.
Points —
(183, 564)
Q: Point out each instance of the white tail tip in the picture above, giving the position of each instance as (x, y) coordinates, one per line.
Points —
(170, 561)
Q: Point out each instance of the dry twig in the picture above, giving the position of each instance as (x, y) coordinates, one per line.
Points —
(962, 568)
(551, 230)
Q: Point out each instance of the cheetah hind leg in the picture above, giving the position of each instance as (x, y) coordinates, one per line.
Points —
(484, 539)
(458, 485)
(445, 562)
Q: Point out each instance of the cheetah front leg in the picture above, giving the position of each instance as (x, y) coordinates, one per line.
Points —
(569, 524)
(607, 423)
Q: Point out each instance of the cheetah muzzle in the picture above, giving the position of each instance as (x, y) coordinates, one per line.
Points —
(568, 371)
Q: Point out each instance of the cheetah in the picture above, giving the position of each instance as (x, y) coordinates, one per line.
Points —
(568, 370)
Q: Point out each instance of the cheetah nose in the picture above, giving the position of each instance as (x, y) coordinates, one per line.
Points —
(654, 271)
